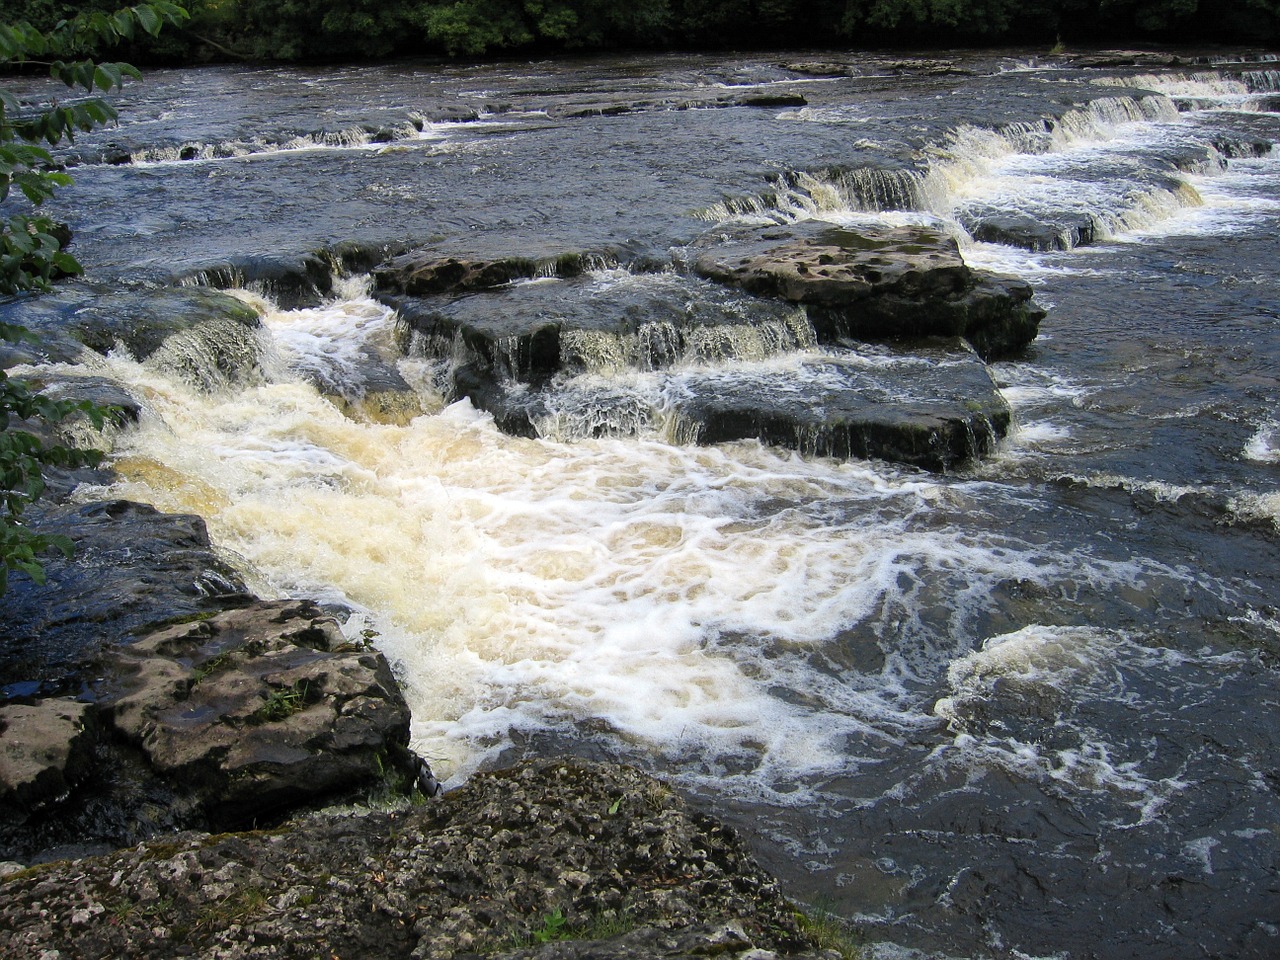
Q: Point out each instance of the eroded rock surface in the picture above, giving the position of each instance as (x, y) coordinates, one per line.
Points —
(258, 709)
(134, 567)
(484, 870)
(880, 283)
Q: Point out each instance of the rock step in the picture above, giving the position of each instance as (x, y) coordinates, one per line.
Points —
(605, 322)
(936, 408)
(931, 405)
(876, 283)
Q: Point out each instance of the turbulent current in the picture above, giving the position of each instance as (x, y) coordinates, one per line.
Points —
(1024, 709)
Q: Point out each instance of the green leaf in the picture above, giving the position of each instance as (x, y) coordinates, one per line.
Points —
(148, 19)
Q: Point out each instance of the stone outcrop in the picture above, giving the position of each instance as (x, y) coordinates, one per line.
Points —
(258, 709)
(220, 720)
(809, 336)
(518, 863)
(877, 283)
(423, 272)
(933, 406)
(141, 320)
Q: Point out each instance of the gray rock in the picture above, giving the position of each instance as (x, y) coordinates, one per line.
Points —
(882, 283)
(191, 328)
(44, 749)
(933, 406)
(258, 709)
(422, 272)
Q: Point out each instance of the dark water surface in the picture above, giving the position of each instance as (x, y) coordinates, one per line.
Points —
(1025, 710)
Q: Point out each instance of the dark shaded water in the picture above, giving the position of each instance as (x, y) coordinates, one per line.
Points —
(1026, 710)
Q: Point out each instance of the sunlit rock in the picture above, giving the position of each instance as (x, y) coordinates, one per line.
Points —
(258, 709)
(878, 283)
(44, 750)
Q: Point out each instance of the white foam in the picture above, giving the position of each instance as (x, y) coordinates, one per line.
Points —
(1264, 445)
(333, 344)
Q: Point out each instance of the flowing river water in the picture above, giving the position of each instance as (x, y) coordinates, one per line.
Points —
(1024, 709)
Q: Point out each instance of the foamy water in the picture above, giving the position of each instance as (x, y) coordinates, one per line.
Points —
(666, 597)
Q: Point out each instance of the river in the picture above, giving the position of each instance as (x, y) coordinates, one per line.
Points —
(1026, 709)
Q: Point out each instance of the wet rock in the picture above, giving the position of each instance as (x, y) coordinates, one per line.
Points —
(423, 272)
(484, 869)
(44, 750)
(883, 283)
(1064, 232)
(606, 324)
(726, 940)
(142, 321)
(934, 407)
(133, 567)
(773, 100)
(257, 709)
(618, 354)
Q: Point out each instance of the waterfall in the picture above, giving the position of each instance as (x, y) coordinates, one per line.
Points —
(1104, 168)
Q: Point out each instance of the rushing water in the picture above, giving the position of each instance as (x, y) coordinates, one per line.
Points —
(1024, 710)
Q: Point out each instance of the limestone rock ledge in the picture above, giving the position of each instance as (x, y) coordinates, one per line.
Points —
(257, 709)
(555, 858)
(242, 717)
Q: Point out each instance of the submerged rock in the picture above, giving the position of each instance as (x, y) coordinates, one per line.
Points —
(538, 854)
(882, 283)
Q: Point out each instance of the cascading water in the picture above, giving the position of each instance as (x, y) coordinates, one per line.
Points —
(961, 711)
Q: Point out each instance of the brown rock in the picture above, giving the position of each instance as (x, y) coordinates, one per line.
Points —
(44, 748)
(257, 709)
(877, 283)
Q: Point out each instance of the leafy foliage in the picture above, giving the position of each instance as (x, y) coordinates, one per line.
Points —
(31, 244)
(343, 29)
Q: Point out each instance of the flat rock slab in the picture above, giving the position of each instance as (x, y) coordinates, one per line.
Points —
(935, 407)
(257, 709)
(476, 873)
(141, 320)
(44, 749)
(424, 272)
(875, 283)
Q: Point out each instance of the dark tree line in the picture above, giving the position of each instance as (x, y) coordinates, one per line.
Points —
(345, 29)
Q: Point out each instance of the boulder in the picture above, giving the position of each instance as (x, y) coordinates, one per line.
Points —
(258, 709)
(876, 283)
(45, 749)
